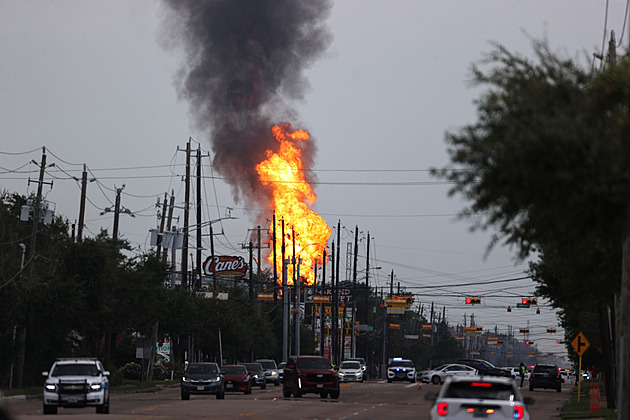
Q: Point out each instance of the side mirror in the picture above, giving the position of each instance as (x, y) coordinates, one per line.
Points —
(529, 401)
(45, 374)
(106, 373)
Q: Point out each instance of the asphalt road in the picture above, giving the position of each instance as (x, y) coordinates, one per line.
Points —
(368, 400)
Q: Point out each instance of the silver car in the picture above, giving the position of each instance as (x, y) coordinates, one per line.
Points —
(471, 397)
(271, 371)
(350, 371)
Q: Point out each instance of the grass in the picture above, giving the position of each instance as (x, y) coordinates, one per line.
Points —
(582, 410)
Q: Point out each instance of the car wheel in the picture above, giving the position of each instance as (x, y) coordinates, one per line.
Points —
(277, 383)
(50, 409)
(323, 395)
(334, 394)
(185, 395)
(559, 389)
(436, 380)
(531, 388)
(389, 381)
(248, 390)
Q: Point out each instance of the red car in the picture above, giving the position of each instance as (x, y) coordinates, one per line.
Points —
(236, 379)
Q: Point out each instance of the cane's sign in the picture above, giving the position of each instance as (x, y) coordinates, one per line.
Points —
(225, 266)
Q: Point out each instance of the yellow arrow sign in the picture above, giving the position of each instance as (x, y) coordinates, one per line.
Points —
(580, 344)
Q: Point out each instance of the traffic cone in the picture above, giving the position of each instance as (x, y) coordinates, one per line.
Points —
(420, 385)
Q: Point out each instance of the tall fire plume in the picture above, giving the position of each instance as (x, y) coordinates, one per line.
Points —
(244, 65)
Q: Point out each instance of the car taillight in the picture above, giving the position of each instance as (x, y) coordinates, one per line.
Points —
(442, 409)
(519, 412)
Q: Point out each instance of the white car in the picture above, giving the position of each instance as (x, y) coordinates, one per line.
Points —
(471, 397)
(400, 369)
(350, 371)
(78, 382)
(440, 373)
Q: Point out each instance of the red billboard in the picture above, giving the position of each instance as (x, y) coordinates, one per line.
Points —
(225, 266)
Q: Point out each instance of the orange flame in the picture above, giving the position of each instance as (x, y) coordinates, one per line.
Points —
(292, 195)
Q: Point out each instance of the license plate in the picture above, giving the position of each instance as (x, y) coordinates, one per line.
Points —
(73, 400)
(320, 385)
(229, 385)
(199, 387)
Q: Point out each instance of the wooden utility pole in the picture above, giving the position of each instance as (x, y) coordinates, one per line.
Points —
(197, 285)
(186, 219)
(169, 220)
(162, 222)
(82, 204)
(339, 353)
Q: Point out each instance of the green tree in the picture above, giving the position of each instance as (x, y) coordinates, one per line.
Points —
(546, 166)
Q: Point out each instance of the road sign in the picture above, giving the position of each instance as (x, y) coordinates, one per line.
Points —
(580, 344)
(521, 305)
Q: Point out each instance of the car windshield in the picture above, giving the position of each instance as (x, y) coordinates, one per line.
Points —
(202, 369)
(546, 369)
(480, 390)
(350, 365)
(439, 367)
(402, 363)
(253, 367)
(268, 364)
(75, 369)
(282, 365)
(233, 370)
(315, 363)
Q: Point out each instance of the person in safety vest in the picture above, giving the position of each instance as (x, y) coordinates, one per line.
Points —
(522, 373)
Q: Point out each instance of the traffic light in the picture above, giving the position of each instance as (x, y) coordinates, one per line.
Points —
(551, 330)
(538, 310)
(526, 301)
(560, 341)
(470, 300)
(523, 330)
(529, 342)
(509, 309)
(534, 301)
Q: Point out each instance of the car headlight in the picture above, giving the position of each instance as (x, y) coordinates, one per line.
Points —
(273, 372)
(185, 379)
(96, 387)
(51, 387)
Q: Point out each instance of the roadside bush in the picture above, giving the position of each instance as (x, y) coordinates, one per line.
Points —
(161, 372)
(131, 370)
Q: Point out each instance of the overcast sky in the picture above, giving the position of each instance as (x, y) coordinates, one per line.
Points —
(92, 82)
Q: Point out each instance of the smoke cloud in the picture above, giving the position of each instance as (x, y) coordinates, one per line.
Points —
(245, 62)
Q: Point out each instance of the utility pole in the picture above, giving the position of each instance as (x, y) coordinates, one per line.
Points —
(354, 291)
(186, 218)
(337, 290)
(197, 285)
(162, 220)
(37, 215)
(251, 271)
(82, 205)
(117, 213)
(285, 303)
(297, 306)
(333, 312)
(322, 317)
(169, 220)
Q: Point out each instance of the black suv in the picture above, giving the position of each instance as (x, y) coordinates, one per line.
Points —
(310, 374)
(486, 368)
(202, 378)
(545, 376)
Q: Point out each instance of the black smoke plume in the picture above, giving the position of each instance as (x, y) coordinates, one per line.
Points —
(245, 62)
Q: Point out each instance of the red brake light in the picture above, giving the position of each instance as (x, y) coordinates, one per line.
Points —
(490, 411)
(442, 409)
(519, 412)
(470, 410)
(483, 384)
